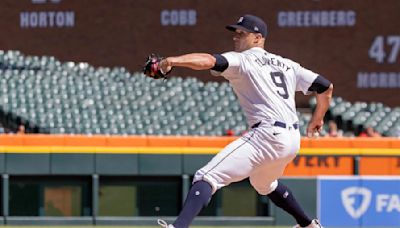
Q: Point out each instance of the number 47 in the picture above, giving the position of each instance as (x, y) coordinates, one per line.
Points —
(377, 49)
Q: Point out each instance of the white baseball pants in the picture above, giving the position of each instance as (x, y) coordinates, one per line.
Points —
(261, 154)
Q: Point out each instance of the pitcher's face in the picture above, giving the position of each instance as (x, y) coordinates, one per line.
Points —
(245, 40)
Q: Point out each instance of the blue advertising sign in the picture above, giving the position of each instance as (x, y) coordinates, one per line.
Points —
(365, 201)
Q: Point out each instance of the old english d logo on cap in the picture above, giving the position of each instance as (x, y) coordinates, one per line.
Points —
(250, 23)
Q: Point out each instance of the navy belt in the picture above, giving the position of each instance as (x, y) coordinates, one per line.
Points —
(277, 124)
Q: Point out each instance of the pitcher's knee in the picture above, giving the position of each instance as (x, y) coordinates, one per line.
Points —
(265, 189)
(200, 176)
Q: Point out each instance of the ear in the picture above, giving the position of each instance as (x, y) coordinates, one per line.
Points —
(257, 37)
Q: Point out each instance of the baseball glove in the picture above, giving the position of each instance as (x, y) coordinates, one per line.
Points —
(152, 67)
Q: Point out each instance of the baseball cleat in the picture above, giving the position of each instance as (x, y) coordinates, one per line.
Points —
(314, 224)
(164, 224)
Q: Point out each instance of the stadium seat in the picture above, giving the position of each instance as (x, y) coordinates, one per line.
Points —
(73, 97)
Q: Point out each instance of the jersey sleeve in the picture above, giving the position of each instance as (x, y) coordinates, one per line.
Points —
(304, 78)
(234, 60)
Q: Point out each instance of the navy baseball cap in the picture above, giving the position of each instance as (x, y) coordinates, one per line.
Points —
(250, 23)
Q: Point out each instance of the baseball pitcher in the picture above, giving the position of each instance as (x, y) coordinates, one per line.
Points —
(265, 85)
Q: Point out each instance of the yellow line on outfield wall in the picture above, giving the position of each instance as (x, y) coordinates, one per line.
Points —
(108, 150)
(185, 150)
(351, 151)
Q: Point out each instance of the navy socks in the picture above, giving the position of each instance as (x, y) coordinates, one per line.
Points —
(283, 198)
(201, 192)
(198, 197)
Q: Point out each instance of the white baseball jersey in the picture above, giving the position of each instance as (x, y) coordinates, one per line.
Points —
(265, 85)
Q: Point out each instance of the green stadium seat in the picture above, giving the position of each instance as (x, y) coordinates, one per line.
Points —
(79, 98)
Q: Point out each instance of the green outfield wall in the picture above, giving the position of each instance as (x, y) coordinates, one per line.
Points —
(136, 189)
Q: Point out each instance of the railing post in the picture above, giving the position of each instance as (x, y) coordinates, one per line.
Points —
(185, 186)
(95, 197)
(5, 196)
